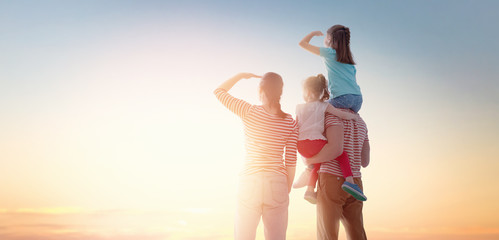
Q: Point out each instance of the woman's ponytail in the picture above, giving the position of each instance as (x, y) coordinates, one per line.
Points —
(271, 85)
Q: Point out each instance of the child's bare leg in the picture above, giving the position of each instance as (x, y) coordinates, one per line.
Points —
(349, 179)
(313, 177)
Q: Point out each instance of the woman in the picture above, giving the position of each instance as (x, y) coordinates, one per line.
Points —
(266, 179)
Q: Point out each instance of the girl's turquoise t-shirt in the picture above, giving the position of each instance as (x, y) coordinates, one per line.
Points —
(341, 76)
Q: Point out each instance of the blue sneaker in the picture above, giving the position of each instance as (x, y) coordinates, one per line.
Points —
(354, 190)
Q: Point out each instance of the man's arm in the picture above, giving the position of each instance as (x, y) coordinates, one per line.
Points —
(365, 154)
(332, 149)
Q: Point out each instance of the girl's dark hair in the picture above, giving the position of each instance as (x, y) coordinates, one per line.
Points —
(317, 85)
(271, 85)
(340, 35)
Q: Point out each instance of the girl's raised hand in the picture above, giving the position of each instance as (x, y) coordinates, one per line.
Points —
(317, 33)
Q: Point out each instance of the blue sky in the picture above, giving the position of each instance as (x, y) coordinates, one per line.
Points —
(452, 41)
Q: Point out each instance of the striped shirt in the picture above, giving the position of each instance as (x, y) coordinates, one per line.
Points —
(354, 135)
(267, 137)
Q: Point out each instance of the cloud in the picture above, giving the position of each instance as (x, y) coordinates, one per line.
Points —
(81, 236)
(189, 223)
(65, 223)
(41, 211)
(434, 233)
(198, 210)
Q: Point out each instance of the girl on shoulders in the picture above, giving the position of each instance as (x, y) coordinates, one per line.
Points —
(340, 66)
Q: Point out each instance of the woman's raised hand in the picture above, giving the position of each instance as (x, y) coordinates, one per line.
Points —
(227, 85)
(248, 75)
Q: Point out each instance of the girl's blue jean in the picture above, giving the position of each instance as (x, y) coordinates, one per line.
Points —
(348, 101)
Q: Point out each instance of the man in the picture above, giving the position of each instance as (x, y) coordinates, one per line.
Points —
(334, 204)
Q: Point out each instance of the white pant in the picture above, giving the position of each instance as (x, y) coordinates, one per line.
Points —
(262, 195)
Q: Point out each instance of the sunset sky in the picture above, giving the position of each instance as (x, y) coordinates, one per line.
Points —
(109, 128)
